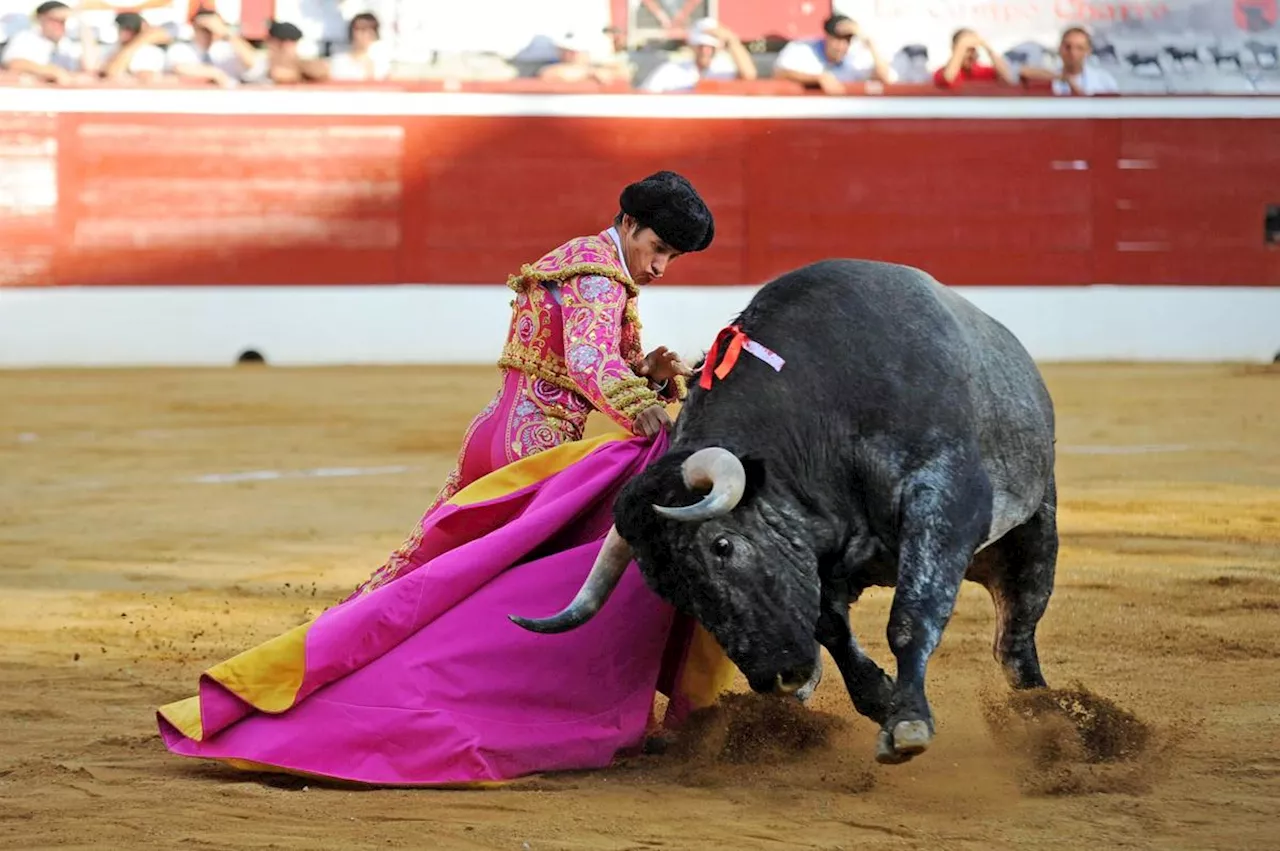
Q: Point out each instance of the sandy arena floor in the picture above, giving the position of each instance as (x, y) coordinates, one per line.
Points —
(124, 575)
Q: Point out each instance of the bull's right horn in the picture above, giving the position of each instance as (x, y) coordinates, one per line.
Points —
(718, 469)
(610, 564)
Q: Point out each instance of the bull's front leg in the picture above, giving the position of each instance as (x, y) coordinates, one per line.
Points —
(806, 691)
(867, 683)
(943, 519)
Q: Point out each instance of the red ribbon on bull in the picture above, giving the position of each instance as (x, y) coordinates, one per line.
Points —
(735, 342)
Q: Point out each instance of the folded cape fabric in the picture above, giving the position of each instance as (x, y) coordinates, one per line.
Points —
(425, 681)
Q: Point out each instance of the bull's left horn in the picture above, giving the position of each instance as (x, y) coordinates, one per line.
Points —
(613, 559)
(718, 469)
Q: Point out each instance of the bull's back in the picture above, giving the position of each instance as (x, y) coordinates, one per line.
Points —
(917, 359)
(864, 320)
(875, 320)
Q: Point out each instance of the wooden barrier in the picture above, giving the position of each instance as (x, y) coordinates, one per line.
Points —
(193, 194)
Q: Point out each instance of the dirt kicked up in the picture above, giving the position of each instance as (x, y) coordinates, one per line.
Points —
(153, 523)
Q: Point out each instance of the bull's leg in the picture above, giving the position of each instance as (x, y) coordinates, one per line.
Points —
(943, 519)
(806, 691)
(869, 686)
(1021, 582)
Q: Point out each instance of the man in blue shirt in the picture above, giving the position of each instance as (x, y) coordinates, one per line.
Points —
(843, 55)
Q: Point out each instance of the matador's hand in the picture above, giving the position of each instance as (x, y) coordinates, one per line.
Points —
(652, 420)
(662, 365)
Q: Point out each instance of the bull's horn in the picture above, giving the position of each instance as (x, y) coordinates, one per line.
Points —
(613, 559)
(715, 468)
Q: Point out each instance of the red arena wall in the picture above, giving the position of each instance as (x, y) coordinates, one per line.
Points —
(335, 225)
(178, 198)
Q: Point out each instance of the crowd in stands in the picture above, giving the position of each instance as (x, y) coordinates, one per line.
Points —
(214, 54)
(832, 61)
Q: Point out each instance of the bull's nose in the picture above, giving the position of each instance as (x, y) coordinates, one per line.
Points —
(791, 682)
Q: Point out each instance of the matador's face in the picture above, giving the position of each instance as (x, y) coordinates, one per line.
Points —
(647, 255)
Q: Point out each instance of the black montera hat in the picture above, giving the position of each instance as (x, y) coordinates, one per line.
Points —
(668, 203)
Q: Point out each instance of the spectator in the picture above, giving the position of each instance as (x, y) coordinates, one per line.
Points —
(139, 53)
(576, 64)
(284, 63)
(215, 54)
(365, 59)
(963, 65)
(47, 53)
(1074, 76)
(833, 60)
(709, 62)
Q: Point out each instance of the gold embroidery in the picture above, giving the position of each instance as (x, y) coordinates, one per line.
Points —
(596, 245)
(529, 276)
(629, 396)
(548, 367)
(560, 416)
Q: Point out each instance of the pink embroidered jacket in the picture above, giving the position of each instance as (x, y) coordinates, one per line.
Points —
(574, 324)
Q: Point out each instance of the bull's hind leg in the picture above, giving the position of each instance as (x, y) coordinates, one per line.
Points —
(1020, 580)
(943, 519)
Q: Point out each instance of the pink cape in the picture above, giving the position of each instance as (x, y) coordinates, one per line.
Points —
(425, 681)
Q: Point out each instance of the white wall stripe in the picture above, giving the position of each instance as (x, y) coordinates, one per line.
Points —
(441, 324)
(376, 103)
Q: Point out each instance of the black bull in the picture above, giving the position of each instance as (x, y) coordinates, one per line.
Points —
(907, 442)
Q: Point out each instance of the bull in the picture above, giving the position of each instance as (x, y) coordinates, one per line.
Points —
(907, 442)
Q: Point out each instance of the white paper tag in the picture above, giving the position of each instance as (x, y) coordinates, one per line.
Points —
(765, 354)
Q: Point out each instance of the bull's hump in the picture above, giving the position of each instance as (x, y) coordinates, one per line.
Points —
(861, 304)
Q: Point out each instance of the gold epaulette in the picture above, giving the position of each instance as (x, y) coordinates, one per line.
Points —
(530, 275)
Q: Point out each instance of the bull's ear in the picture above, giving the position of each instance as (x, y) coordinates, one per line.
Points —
(755, 468)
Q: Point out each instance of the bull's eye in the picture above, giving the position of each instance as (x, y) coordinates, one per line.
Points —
(722, 547)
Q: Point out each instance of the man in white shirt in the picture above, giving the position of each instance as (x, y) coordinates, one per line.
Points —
(367, 57)
(718, 54)
(842, 55)
(1073, 75)
(216, 54)
(139, 53)
(582, 58)
(46, 52)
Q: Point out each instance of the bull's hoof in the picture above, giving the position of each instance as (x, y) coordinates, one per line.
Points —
(806, 691)
(908, 739)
